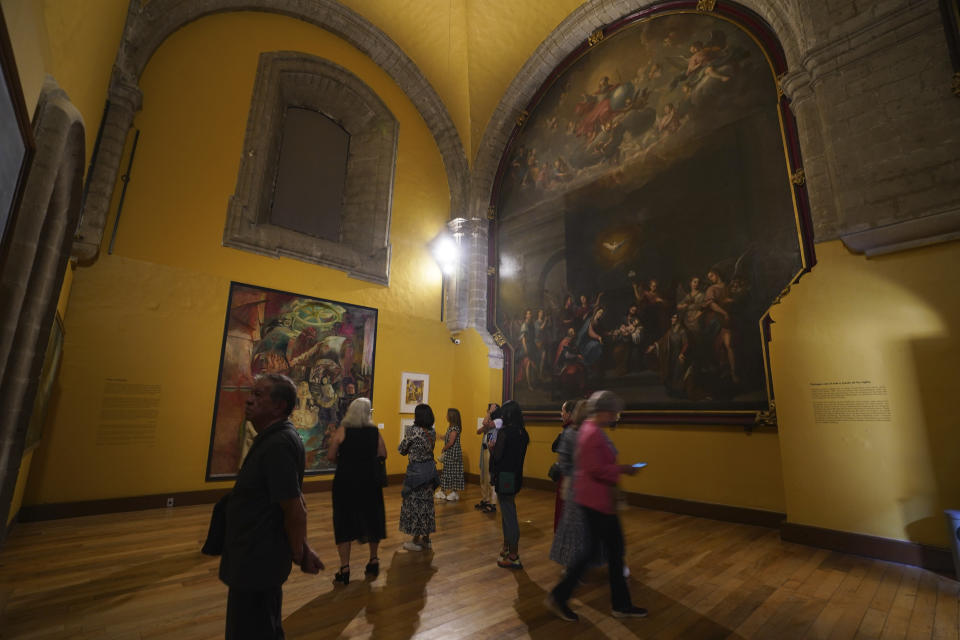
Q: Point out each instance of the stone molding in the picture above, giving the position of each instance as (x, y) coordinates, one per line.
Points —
(943, 226)
(886, 30)
(292, 79)
(31, 282)
(149, 24)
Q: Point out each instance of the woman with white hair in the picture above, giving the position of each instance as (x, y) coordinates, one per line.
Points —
(358, 512)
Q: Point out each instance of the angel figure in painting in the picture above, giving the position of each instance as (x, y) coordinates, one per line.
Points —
(690, 305)
(701, 62)
(716, 324)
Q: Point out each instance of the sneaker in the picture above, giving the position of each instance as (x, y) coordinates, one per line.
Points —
(508, 562)
(440, 495)
(481, 505)
(560, 609)
(630, 612)
(426, 544)
(412, 546)
(452, 496)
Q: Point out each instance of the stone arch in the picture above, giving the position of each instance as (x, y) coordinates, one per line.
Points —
(148, 26)
(34, 272)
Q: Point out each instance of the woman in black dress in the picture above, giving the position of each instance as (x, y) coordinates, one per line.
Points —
(358, 513)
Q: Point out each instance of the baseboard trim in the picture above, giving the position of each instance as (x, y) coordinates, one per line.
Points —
(723, 512)
(741, 515)
(902, 551)
(57, 510)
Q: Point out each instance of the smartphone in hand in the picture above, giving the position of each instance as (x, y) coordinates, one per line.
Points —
(639, 465)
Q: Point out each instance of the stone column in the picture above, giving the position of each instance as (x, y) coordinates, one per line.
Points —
(124, 100)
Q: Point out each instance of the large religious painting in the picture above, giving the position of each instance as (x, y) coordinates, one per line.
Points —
(646, 221)
(326, 347)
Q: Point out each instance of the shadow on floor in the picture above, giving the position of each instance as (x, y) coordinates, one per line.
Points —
(393, 610)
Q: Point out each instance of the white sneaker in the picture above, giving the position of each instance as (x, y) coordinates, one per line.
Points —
(412, 546)
(452, 496)
(440, 495)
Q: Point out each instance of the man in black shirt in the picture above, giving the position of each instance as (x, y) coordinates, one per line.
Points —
(266, 516)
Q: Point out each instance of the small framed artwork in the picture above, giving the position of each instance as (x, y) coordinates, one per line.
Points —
(405, 423)
(414, 390)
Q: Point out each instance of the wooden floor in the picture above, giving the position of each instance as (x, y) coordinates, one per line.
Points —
(140, 575)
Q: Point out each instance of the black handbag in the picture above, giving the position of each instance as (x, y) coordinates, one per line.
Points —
(217, 533)
(506, 483)
(554, 473)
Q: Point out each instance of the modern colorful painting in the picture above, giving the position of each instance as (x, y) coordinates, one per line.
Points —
(646, 222)
(326, 347)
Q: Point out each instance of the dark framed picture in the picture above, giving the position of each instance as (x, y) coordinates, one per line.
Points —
(326, 347)
(650, 208)
(16, 140)
(951, 26)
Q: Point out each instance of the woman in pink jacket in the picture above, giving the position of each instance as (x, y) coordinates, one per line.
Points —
(595, 480)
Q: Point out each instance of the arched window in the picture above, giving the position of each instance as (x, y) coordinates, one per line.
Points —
(316, 177)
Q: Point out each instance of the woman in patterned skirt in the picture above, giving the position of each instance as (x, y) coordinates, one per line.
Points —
(572, 531)
(416, 512)
(451, 479)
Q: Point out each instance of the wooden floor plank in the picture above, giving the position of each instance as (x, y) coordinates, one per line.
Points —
(140, 575)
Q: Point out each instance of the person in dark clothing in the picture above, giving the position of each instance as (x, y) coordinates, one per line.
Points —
(506, 461)
(358, 513)
(266, 516)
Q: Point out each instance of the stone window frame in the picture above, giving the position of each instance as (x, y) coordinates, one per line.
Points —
(294, 79)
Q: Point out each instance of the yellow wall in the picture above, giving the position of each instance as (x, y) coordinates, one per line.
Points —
(153, 311)
(893, 320)
(502, 35)
(720, 465)
(23, 474)
(17, 500)
(433, 34)
(31, 47)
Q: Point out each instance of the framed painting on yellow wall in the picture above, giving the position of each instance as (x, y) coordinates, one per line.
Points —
(414, 390)
(326, 347)
(405, 423)
(648, 212)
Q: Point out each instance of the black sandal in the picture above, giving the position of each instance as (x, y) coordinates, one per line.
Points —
(342, 576)
(373, 567)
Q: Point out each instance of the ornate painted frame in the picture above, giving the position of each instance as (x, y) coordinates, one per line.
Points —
(764, 36)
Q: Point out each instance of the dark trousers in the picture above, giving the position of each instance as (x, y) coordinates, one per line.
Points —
(604, 529)
(254, 615)
(508, 521)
